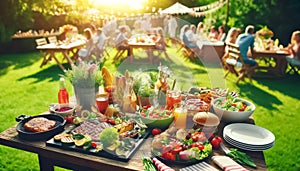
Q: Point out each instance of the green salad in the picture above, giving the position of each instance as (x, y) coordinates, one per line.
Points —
(230, 103)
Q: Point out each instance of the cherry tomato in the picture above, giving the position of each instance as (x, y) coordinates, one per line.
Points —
(198, 136)
(169, 156)
(215, 142)
(156, 131)
(200, 146)
(111, 121)
(69, 120)
(177, 149)
(94, 145)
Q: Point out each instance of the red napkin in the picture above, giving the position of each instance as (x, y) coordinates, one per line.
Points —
(227, 164)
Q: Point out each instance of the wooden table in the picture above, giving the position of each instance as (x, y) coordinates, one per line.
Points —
(50, 156)
(279, 58)
(143, 45)
(69, 51)
(211, 51)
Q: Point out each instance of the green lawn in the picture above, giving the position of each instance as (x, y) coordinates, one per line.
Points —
(28, 89)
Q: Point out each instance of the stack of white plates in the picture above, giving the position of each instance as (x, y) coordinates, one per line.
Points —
(248, 137)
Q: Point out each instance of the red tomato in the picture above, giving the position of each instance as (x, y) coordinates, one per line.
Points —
(215, 142)
(200, 146)
(93, 144)
(177, 149)
(169, 156)
(69, 120)
(112, 122)
(156, 131)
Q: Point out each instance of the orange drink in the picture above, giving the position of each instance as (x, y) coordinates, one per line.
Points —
(180, 115)
(102, 102)
(172, 97)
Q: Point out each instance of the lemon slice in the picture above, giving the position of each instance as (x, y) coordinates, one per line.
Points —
(121, 152)
(79, 142)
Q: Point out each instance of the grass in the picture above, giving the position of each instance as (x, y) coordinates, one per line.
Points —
(28, 89)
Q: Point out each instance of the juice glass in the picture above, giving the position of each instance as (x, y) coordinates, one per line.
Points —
(180, 115)
(172, 97)
(102, 102)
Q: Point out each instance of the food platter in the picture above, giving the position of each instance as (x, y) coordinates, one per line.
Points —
(138, 141)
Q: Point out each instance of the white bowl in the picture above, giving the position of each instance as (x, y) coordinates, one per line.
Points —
(66, 112)
(232, 116)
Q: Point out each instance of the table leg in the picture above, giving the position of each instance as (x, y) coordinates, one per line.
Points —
(45, 164)
(66, 55)
(60, 65)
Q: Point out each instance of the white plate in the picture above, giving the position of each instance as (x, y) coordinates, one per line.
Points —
(249, 134)
(249, 148)
(247, 145)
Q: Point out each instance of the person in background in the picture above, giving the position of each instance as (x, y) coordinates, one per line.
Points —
(222, 33)
(182, 31)
(190, 44)
(85, 53)
(191, 33)
(294, 47)
(246, 41)
(122, 41)
(200, 29)
(233, 33)
(213, 34)
(231, 38)
(99, 41)
(166, 23)
(172, 26)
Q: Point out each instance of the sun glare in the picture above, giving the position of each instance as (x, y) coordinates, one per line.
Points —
(135, 4)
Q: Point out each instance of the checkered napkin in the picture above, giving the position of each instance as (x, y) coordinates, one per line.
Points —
(227, 164)
(203, 166)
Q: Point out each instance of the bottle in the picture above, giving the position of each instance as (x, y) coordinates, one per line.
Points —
(63, 96)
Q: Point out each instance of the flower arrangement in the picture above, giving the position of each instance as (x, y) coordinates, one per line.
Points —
(85, 75)
(265, 33)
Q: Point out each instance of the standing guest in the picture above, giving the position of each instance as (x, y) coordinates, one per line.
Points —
(172, 26)
(166, 23)
(99, 41)
(294, 47)
(122, 41)
(213, 34)
(222, 33)
(246, 41)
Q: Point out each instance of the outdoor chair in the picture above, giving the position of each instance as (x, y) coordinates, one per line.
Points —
(46, 56)
(294, 65)
(52, 39)
(234, 63)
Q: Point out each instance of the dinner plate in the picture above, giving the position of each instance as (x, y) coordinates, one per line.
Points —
(249, 134)
(249, 148)
(247, 145)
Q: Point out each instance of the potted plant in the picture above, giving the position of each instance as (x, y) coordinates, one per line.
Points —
(86, 79)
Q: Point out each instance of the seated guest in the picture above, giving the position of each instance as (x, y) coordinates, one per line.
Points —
(200, 29)
(222, 33)
(232, 35)
(191, 33)
(99, 41)
(246, 41)
(160, 42)
(213, 34)
(190, 44)
(294, 47)
(182, 31)
(122, 41)
(85, 53)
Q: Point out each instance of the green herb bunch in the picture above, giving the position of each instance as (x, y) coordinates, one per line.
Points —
(85, 75)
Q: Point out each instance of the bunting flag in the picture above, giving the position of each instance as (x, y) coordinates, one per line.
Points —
(208, 9)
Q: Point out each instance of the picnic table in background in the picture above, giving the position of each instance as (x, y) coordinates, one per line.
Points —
(275, 61)
(69, 50)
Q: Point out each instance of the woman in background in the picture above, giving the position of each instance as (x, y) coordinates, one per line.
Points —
(294, 47)
(222, 33)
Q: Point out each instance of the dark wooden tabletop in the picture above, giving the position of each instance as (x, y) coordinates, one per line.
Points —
(50, 156)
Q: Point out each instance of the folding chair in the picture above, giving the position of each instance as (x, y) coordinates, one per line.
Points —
(235, 64)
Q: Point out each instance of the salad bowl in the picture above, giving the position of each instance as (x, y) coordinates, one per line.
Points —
(231, 109)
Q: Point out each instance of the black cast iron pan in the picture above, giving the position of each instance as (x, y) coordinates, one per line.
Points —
(39, 136)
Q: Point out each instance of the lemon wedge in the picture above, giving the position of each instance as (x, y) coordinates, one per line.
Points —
(79, 142)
